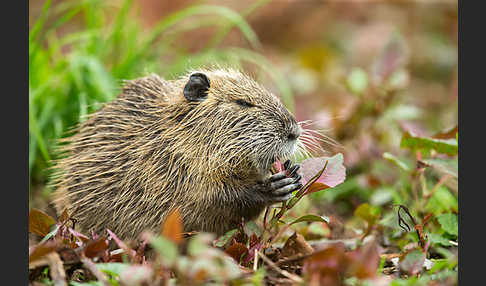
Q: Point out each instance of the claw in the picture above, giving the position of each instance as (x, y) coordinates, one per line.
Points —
(287, 164)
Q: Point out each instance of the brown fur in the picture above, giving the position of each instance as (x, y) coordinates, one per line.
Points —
(150, 151)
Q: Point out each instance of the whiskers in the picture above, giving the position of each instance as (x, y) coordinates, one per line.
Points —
(312, 141)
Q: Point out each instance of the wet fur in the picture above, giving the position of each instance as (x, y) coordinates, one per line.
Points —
(150, 151)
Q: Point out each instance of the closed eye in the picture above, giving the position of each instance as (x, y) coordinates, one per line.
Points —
(244, 103)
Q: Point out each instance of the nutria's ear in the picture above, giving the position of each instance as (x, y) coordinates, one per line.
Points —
(197, 87)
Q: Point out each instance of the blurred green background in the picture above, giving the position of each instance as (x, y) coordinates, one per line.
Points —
(362, 71)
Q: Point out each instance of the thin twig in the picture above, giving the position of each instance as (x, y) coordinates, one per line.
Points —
(96, 272)
(281, 231)
(439, 183)
(293, 258)
(56, 268)
(255, 261)
(285, 273)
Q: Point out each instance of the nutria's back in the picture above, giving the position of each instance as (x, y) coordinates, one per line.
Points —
(203, 143)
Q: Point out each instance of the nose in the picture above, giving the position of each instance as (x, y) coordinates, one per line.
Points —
(295, 132)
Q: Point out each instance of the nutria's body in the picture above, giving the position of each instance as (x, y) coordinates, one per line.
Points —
(203, 143)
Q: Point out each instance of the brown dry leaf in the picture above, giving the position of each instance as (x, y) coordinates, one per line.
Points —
(236, 250)
(364, 262)
(96, 247)
(39, 222)
(172, 227)
(315, 187)
(326, 266)
(296, 244)
(450, 134)
(41, 250)
(64, 216)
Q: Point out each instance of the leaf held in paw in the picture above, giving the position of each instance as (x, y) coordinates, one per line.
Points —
(333, 175)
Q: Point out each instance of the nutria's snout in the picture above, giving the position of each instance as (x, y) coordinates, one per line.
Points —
(295, 132)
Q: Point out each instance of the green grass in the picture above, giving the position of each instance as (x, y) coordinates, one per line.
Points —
(71, 74)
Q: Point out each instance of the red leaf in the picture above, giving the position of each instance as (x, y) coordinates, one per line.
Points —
(39, 222)
(333, 175)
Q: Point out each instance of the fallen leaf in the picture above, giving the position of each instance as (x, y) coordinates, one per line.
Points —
(41, 250)
(364, 262)
(237, 250)
(413, 262)
(40, 223)
(95, 247)
(296, 244)
(326, 266)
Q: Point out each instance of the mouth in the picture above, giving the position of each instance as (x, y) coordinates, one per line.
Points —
(277, 165)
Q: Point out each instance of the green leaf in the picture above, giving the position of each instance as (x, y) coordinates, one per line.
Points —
(393, 159)
(368, 213)
(50, 234)
(442, 201)
(251, 228)
(112, 268)
(357, 81)
(413, 262)
(198, 244)
(443, 146)
(311, 218)
(258, 276)
(449, 223)
(447, 166)
(438, 239)
(166, 249)
(225, 238)
(91, 283)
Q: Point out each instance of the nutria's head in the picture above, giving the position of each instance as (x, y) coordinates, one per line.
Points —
(237, 122)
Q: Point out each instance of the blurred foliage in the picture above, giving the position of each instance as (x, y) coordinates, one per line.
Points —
(72, 73)
(378, 78)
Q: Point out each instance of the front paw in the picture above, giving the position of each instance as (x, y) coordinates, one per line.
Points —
(281, 185)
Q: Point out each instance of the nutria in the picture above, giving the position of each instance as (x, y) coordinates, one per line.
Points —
(204, 144)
